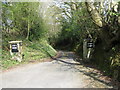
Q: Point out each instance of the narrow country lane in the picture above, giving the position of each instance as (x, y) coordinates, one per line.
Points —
(63, 72)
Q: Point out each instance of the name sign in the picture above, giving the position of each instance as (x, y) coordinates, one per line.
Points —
(14, 48)
(90, 45)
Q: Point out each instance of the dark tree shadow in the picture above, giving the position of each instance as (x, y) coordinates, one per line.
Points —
(81, 62)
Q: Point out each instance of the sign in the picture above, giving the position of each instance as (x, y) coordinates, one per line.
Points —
(90, 45)
(14, 48)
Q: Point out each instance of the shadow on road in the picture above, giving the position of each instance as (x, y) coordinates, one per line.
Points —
(67, 62)
(94, 75)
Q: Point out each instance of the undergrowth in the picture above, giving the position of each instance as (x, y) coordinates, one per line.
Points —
(32, 51)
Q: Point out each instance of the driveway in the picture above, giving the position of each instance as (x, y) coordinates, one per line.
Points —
(62, 72)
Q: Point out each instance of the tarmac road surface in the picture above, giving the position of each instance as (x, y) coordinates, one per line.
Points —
(62, 72)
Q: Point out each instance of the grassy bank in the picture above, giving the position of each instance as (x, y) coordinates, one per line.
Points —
(32, 51)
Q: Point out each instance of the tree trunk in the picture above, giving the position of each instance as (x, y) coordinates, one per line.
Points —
(94, 14)
(107, 40)
(28, 32)
(105, 32)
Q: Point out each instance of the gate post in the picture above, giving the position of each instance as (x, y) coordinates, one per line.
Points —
(85, 49)
(16, 50)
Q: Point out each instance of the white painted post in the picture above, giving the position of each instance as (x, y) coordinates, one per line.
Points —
(11, 50)
(16, 55)
(89, 52)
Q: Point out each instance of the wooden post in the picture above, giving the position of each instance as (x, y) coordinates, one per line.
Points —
(115, 76)
(84, 49)
(89, 52)
(87, 49)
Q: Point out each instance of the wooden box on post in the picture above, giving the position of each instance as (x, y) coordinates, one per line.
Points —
(16, 50)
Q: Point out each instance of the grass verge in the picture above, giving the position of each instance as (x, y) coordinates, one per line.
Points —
(32, 51)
